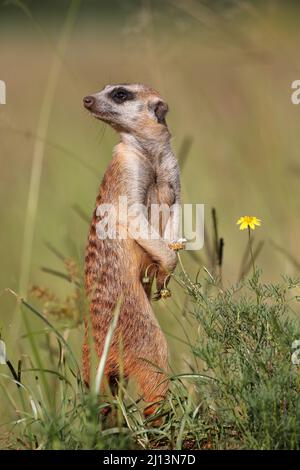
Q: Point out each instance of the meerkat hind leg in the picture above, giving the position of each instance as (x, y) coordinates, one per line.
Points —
(110, 389)
(152, 382)
(154, 387)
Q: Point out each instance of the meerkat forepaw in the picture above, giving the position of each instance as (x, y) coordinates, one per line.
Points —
(177, 245)
(156, 296)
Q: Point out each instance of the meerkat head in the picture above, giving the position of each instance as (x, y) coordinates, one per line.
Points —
(130, 108)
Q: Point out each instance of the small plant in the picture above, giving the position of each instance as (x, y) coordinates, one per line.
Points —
(250, 396)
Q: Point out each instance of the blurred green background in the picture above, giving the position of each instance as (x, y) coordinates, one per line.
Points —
(225, 68)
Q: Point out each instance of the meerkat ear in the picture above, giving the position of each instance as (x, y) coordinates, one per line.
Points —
(160, 110)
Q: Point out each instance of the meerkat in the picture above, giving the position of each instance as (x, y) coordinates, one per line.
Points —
(145, 171)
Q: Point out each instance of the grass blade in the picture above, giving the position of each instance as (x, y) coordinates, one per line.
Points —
(107, 343)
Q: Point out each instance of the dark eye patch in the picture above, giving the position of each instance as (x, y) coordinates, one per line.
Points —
(120, 95)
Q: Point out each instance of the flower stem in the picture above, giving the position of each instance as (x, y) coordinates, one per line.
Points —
(251, 251)
(182, 267)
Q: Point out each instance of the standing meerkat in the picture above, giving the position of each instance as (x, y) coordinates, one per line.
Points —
(145, 172)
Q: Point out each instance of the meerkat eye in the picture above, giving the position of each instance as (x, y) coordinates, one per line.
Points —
(120, 95)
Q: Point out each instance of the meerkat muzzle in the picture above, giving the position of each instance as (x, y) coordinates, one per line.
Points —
(88, 102)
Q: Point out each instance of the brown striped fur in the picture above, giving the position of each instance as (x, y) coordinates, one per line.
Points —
(144, 170)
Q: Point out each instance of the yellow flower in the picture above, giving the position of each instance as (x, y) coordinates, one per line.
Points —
(165, 293)
(248, 221)
(178, 245)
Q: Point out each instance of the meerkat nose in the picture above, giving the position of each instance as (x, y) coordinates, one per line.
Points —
(88, 101)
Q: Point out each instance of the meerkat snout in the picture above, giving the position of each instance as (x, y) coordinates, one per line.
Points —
(88, 101)
(133, 108)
